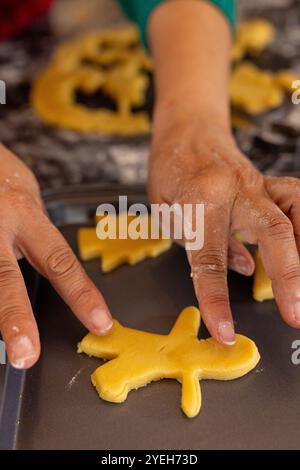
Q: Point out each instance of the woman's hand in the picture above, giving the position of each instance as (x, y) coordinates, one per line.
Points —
(193, 162)
(25, 230)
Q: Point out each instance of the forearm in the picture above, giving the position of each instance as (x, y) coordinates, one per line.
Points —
(190, 42)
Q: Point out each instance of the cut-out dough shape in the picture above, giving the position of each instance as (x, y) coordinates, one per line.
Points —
(286, 78)
(254, 90)
(252, 37)
(137, 358)
(238, 121)
(114, 252)
(262, 286)
(112, 61)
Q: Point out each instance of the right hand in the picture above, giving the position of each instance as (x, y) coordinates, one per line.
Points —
(194, 160)
(25, 230)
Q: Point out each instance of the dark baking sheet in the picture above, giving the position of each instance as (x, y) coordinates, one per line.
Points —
(54, 406)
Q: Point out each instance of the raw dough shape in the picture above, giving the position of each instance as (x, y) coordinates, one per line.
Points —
(114, 252)
(262, 286)
(286, 78)
(112, 61)
(137, 358)
(239, 121)
(252, 37)
(254, 90)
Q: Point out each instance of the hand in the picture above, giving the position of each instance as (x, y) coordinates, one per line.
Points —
(194, 162)
(26, 230)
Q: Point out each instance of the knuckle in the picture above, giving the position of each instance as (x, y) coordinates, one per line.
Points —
(249, 177)
(288, 185)
(61, 262)
(16, 205)
(12, 313)
(209, 261)
(215, 297)
(278, 227)
(290, 180)
(291, 273)
(8, 272)
(81, 295)
(17, 198)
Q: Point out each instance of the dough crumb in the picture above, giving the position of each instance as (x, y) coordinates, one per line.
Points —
(73, 379)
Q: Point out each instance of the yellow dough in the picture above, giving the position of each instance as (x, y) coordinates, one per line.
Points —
(114, 252)
(262, 287)
(254, 90)
(252, 36)
(238, 121)
(137, 358)
(285, 79)
(112, 61)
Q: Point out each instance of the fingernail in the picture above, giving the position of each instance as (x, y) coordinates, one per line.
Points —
(297, 312)
(240, 265)
(226, 332)
(101, 321)
(22, 352)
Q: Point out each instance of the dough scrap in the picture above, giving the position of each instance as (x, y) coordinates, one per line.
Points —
(254, 90)
(252, 37)
(262, 286)
(137, 358)
(112, 61)
(114, 252)
(286, 78)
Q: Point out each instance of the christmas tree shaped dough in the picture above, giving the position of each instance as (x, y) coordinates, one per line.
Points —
(262, 287)
(137, 358)
(114, 252)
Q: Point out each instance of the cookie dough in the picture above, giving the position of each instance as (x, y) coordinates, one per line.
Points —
(286, 78)
(114, 252)
(254, 90)
(111, 61)
(252, 37)
(262, 286)
(137, 358)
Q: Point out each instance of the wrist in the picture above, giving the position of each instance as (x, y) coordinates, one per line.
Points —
(172, 116)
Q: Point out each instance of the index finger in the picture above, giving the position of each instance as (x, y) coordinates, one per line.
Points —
(209, 272)
(277, 245)
(17, 323)
(51, 255)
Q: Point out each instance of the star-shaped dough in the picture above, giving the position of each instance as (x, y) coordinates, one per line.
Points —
(262, 287)
(114, 252)
(137, 358)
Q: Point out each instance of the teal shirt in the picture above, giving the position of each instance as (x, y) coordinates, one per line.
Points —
(139, 11)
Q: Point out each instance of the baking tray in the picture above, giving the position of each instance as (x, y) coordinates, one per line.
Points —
(54, 406)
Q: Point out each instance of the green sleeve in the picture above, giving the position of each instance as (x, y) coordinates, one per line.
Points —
(139, 11)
